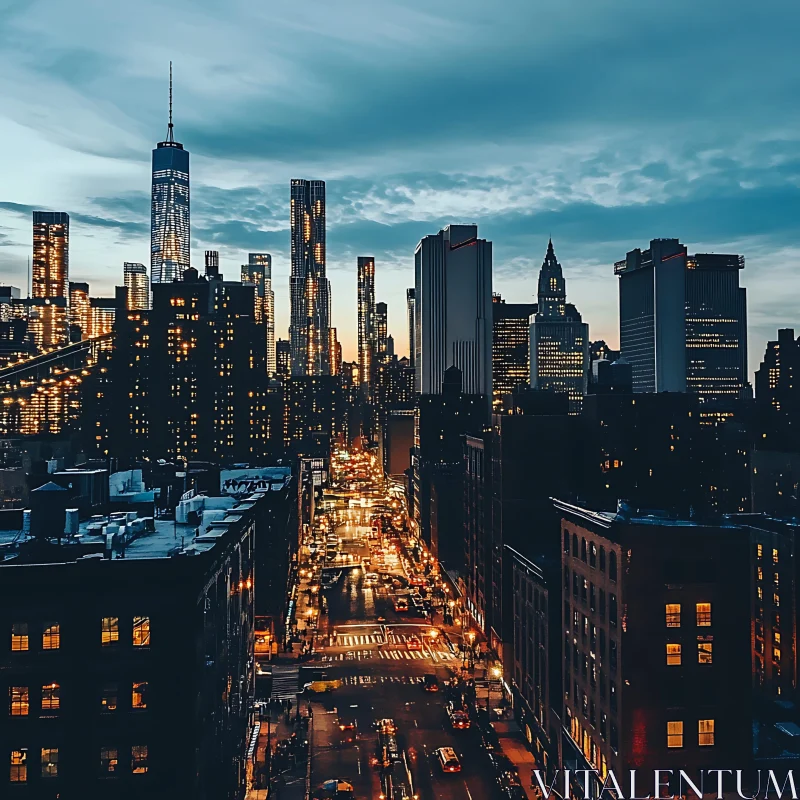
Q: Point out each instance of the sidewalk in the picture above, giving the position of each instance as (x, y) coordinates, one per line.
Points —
(274, 728)
(514, 747)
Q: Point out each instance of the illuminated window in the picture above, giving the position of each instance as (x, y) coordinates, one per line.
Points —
(705, 650)
(673, 615)
(18, 701)
(109, 697)
(49, 762)
(110, 631)
(109, 760)
(19, 766)
(774, 555)
(139, 697)
(776, 654)
(673, 655)
(703, 615)
(139, 759)
(51, 636)
(141, 631)
(705, 732)
(19, 636)
(675, 734)
(760, 550)
(51, 697)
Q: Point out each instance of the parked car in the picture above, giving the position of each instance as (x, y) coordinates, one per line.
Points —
(430, 683)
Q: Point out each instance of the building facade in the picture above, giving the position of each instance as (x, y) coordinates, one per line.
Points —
(559, 339)
(453, 310)
(131, 676)
(309, 287)
(683, 321)
(656, 641)
(50, 279)
(510, 347)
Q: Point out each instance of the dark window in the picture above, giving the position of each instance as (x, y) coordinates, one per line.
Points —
(602, 643)
(592, 554)
(612, 565)
(566, 577)
(583, 551)
(612, 655)
(614, 737)
(566, 541)
(602, 604)
(612, 609)
(574, 545)
(593, 638)
(592, 597)
(602, 559)
(612, 694)
(575, 584)
(584, 590)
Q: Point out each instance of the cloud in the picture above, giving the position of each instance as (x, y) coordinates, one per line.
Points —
(602, 124)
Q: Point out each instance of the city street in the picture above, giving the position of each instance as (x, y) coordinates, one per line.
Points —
(378, 652)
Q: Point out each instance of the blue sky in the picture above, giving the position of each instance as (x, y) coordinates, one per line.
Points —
(604, 124)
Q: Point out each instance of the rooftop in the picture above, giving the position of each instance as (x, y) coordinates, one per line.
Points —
(133, 537)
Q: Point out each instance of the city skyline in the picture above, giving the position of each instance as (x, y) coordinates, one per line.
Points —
(595, 187)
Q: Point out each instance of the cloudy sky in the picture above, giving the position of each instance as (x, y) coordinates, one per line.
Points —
(603, 124)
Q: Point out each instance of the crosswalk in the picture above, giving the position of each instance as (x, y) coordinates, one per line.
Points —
(366, 680)
(358, 640)
(285, 682)
(390, 655)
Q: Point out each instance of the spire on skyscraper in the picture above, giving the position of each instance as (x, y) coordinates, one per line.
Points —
(552, 287)
(170, 135)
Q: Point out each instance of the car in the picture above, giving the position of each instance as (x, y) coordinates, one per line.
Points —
(459, 720)
(386, 726)
(430, 683)
(414, 643)
(448, 760)
(319, 687)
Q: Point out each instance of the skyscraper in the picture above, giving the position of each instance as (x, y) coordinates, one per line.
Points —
(169, 210)
(412, 324)
(510, 347)
(683, 320)
(381, 331)
(309, 288)
(258, 270)
(283, 357)
(137, 285)
(453, 310)
(211, 260)
(80, 311)
(366, 322)
(50, 278)
(559, 338)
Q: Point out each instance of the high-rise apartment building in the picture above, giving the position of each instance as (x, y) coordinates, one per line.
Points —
(258, 271)
(50, 278)
(683, 320)
(453, 310)
(559, 338)
(169, 209)
(411, 305)
(510, 347)
(308, 286)
(366, 323)
(138, 286)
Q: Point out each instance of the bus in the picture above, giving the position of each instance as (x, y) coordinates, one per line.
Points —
(398, 782)
(401, 604)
